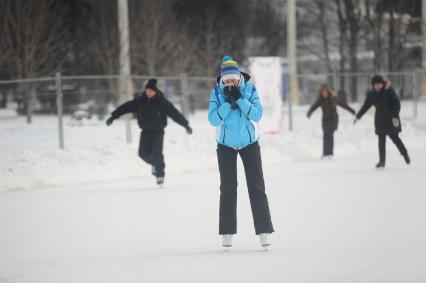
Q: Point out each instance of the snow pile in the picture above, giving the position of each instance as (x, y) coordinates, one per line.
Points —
(94, 152)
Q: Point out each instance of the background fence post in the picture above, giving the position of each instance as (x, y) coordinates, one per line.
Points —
(128, 118)
(416, 91)
(59, 109)
(185, 93)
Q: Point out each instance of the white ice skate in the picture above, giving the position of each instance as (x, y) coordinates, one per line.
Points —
(264, 241)
(153, 171)
(160, 181)
(227, 241)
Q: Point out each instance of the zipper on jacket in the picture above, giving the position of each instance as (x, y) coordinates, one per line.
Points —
(249, 133)
(224, 131)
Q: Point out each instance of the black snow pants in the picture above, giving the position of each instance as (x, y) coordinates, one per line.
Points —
(382, 146)
(227, 158)
(328, 142)
(151, 150)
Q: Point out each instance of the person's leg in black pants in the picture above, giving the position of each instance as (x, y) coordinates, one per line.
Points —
(157, 157)
(400, 145)
(151, 150)
(398, 142)
(331, 142)
(328, 143)
(227, 159)
(252, 162)
(382, 149)
(145, 146)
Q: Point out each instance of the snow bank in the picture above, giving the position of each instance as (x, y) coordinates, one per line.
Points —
(94, 152)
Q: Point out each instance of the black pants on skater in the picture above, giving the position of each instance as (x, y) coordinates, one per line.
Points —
(227, 158)
(328, 142)
(151, 150)
(382, 146)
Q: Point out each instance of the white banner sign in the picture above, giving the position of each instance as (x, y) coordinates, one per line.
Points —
(267, 75)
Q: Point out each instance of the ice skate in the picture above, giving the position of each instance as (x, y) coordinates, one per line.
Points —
(227, 241)
(264, 241)
(160, 181)
(380, 165)
(407, 158)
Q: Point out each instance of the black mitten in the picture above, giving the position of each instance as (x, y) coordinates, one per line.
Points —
(235, 93)
(227, 91)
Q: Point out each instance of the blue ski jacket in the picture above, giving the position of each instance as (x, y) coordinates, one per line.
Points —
(236, 128)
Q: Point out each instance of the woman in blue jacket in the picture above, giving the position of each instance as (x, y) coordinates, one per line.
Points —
(234, 110)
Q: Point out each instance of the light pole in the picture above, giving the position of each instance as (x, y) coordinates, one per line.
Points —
(291, 50)
(125, 86)
(423, 71)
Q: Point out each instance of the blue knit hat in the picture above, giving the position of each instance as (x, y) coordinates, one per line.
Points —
(229, 69)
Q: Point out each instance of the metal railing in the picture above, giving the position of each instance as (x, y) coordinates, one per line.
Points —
(66, 95)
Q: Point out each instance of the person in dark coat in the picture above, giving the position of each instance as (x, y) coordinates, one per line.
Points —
(386, 119)
(152, 110)
(330, 119)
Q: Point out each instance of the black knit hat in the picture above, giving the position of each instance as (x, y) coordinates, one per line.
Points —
(377, 79)
(152, 84)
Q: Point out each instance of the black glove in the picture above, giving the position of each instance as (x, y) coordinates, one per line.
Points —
(109, 121)
(188, 129)
(227, 91)
(235, 93)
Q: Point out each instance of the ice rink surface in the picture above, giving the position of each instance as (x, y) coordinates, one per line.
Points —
(336, 221)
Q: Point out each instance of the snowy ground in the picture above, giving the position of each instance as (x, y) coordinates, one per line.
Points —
(91, 213)
(94, 152)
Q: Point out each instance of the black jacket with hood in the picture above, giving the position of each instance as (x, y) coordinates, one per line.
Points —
(387, 107)
(152, 112)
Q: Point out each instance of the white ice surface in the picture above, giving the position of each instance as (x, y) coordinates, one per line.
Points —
(92, 213)
(336, 221)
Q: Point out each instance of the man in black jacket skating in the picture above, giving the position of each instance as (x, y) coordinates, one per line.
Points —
(386, 119)
(152, 110)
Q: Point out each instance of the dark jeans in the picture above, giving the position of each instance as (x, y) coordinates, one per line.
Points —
(382, 146)
(227, 158)
(151, 150)
(328, 143)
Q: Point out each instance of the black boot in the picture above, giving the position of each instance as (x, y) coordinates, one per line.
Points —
(380, 165)
(406, 158)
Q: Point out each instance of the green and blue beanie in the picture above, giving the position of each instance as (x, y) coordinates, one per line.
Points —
(229, 69)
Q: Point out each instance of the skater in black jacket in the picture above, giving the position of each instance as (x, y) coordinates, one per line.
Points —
(330, 119)
(152, 110)
(386, 119)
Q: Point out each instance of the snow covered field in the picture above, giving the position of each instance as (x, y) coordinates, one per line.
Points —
(91, 213)
(30, 157)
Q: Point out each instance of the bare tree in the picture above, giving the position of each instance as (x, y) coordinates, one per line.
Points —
(104, 44)
(373, 32)
(152, 32)
(36, 35)
(353, 16)
(212, 42)
(322, 18)
(342, 22)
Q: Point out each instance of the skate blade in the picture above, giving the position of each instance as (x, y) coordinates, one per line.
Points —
(227, 248)
(265, 248)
